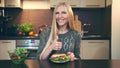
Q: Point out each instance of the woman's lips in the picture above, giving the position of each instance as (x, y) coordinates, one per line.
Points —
(60, 20)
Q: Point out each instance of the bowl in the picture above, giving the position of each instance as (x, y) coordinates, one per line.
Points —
(18, 55)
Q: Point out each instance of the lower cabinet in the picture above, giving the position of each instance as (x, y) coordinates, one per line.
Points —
(5, 46)
(94, 49)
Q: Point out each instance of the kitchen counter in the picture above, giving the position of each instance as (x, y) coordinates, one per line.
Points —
(27, 37)
(74, 64)
(94, 37)
(16, 37)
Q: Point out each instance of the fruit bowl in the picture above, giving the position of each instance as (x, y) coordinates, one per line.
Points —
(18, 55)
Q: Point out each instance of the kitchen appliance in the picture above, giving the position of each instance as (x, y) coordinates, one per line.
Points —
(3, 24)
(30, 44)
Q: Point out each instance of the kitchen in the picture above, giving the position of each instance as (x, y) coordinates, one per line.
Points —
(95, 18)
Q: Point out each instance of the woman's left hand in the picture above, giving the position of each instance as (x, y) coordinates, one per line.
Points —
(71, 55)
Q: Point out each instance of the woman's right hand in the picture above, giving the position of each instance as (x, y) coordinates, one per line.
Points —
(56, 45)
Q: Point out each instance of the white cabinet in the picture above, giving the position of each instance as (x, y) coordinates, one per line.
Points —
(92, 3)
(5, 46)
(1, 3)
(73, 3)
(53, 3)
(108, 2)
(95, 49)
(13, 3)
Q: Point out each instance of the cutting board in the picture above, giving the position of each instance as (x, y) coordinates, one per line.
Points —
(78, 24)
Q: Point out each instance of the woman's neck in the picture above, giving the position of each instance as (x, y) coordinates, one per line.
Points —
(62, 30)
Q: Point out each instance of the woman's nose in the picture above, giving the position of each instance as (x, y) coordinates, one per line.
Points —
(60, 15)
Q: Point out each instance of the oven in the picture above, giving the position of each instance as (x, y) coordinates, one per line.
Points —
(30, 44)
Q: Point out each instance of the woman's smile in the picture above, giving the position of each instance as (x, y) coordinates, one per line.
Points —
(61, 16)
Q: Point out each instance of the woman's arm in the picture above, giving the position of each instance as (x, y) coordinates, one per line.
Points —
(77, 45)
(76, 53)
(46, 53)
(55, 45)
(43, 39)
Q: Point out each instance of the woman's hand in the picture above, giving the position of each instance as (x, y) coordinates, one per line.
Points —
(56, 45)
(71, 55)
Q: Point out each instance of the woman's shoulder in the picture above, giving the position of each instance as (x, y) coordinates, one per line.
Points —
(46, 29)
(74, 32)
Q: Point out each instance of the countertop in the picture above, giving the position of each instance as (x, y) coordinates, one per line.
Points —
(16, 37)
(90, 37)
(74, 64)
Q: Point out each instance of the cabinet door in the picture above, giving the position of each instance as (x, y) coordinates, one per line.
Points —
(5, 46)
(73, 3)
(1, 3)
(108, 2)
(13, 3)
(95, 49)
(92, 3)
(53, 3)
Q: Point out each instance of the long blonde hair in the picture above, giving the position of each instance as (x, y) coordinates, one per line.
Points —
(54, 28)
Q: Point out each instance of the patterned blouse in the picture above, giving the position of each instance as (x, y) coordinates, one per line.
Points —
(70, 42)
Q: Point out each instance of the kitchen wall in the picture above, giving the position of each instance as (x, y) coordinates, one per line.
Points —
(115, 29)
(33, 12)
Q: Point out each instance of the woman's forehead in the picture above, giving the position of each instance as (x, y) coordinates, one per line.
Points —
(61, 8)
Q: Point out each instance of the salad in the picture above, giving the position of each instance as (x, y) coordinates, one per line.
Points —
(18, 55)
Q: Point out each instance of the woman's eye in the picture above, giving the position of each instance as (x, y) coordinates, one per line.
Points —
(57, 13)
(61, 12)
(64, 13)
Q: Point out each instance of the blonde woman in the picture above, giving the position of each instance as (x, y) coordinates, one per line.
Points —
(62, 36)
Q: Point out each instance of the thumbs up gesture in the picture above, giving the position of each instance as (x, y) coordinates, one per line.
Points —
(56, 45)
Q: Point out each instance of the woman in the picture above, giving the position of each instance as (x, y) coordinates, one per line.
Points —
(62, 37)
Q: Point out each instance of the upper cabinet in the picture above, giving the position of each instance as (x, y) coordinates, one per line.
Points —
(13, 3)
(1, 3)
(73, 3)
(92, 3)
(81, 3)
(108, 2)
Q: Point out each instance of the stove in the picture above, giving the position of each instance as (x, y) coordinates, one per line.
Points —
(30, 44)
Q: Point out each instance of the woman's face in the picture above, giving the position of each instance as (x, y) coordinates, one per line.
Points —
(61, 16)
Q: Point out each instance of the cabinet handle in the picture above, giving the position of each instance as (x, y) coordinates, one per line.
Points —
(70, 5)
(6, 42)
(95, 42)
(92, 5)
(73, 5)
(54, 5)
(11, 5)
